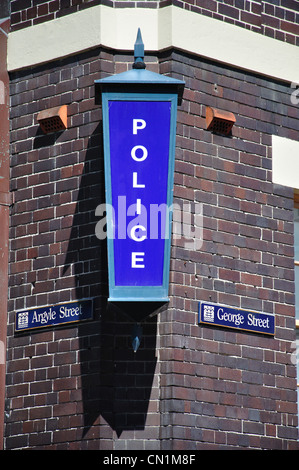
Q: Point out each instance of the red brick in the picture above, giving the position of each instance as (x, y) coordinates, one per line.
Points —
(292, 28)
(229, 11)
(64, 409)
(252, 279)
(251, 18)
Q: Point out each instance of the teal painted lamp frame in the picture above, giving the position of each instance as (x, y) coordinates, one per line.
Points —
(138, 85)
(148, 292)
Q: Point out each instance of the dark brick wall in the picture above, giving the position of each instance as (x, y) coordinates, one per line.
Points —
(230, 388)
(188, 386)
(278, 19)
(72, 387)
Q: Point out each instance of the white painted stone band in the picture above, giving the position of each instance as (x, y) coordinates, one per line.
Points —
(162, 28)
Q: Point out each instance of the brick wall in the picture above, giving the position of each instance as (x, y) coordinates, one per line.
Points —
(278, 19)
(230, 388)
(188, 386)
(60, 382)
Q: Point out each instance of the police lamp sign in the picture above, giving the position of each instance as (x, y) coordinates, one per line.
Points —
(220, 315)
(139, 140)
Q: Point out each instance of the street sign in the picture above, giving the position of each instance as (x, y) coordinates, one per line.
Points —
(229, 317)
(53, 315)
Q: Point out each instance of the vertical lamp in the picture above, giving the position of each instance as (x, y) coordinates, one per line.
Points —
(139, 110)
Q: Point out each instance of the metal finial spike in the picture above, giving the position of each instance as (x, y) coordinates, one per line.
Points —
(136, 337)
(139, 52)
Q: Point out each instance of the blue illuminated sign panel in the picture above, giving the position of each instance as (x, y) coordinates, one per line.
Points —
(139, 142)
(53, 315)
(220, 315)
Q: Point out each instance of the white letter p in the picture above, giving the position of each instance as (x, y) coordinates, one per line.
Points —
(138, 124)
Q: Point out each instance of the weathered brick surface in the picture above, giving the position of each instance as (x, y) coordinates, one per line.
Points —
(230, 389)
(279, 19)
(69, 388)
(188, 386)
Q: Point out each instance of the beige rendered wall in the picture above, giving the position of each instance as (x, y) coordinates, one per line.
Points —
(161, 28)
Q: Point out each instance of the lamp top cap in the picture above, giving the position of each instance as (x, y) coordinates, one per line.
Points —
(138, 77)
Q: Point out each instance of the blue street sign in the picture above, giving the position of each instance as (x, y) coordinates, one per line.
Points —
(53, 315)
(220, 315)
(139, 143)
